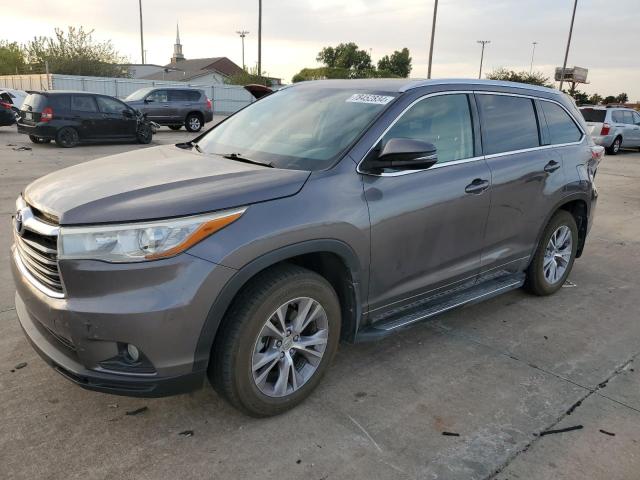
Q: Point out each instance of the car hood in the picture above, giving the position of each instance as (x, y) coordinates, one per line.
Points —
(154, 183)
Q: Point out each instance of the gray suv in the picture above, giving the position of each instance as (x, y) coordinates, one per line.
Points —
(613, 127)
(173, 106)
(326, 212)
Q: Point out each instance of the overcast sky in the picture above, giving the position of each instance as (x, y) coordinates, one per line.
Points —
(606, 36)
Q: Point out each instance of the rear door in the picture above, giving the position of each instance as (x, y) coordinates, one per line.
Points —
(182, 102)
(86, 117)
(632, 119)
(621, 127)
(118, 119)
(526, 179)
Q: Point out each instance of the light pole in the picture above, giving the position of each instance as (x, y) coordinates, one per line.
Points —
(433, 34)
(483, 43)
(566, 53)
(533, 51)
(242, 33)
(260, 37)
(141, 36)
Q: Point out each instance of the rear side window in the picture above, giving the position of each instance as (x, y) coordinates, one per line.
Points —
(444, 120)
(508, 123)
(617, 116)
(34, 102)
(83, 103)
(562, 129)
(628, 117)
(593, 115)
(184, 95)
(60, 102)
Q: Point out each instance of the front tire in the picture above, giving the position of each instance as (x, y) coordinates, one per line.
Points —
(276, 341)
(144, 135)
(614, 149)
(193, 122)
(67, 137)
(554, 257)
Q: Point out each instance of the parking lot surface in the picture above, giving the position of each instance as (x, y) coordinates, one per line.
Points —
(465, 396)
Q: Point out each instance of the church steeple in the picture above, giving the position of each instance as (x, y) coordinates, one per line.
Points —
(177, 48)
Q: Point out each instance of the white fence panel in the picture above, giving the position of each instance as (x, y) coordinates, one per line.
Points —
(225, 98)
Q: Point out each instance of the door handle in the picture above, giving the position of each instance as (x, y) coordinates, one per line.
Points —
(478, 186)
(552, 166)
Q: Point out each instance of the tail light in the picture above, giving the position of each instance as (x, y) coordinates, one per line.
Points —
(46, 115)
(5, 105)
(605, 129)
(209, 106)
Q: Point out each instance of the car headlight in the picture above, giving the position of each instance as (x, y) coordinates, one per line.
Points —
(138, 242)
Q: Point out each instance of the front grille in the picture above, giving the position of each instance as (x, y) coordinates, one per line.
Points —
(37, 248)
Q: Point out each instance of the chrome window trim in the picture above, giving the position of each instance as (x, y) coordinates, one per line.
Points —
(472, 159)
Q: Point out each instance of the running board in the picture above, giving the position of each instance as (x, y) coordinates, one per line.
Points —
(431, 308)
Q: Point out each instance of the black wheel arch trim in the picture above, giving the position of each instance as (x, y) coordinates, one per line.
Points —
(244, 274)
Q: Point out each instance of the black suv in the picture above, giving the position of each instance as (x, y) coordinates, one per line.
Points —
(173, 107)
(73, 117)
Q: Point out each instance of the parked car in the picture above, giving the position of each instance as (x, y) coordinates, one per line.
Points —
(613, 127)
(70, 118)
(7, 114)
(173, 106)
(327, 211)
(10, 103)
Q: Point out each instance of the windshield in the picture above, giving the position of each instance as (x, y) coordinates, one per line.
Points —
(138, 94)
(297, 128)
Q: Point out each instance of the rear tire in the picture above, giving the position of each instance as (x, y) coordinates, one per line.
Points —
(614, 148)
(266, 323)
(175, 127)
(193, 122)
(67, 137)
(554, 256)
(38, 140)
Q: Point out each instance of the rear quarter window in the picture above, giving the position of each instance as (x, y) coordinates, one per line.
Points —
(508, 123)
(60, 102)
(562, 128)
(593, 115)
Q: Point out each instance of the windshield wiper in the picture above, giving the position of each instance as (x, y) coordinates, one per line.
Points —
(238, 157)
(189, 145)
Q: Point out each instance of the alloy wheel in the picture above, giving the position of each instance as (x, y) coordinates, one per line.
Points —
(557, 255)
(194, 123)
(290, 347)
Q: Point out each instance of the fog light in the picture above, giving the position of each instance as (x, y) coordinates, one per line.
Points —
(132, 351)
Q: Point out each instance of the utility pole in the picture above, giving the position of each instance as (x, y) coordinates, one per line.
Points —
(532, 54)
(242, 33)
(483, 43)
(566, 53)
(141, 36)
(433, 34)
(260, 37)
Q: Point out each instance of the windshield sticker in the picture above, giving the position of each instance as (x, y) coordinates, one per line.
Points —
(368, 98)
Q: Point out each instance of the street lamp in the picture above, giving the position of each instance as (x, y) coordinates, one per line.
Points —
(483, 43)
(566, 53)
(260, 38)
(532, 54)
(433, 33)
(242, 33)
(141, 36)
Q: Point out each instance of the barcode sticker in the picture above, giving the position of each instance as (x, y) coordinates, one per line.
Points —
(369, 98)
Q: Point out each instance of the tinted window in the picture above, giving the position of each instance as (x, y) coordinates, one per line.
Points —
(184, 95)
(34, 102)
(636, 118)
(158, 96)
(110, 105)
(562, 129)
(60, 102)
(508, 123)
(444, 120)
(83, 103)
(593, 115)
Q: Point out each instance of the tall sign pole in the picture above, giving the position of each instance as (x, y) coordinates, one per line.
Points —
(260, 37)
(533, 52)
(433, 34)
(483, 43)
(566, 53)
(142, 55)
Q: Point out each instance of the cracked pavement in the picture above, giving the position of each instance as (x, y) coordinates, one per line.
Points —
(497, 373)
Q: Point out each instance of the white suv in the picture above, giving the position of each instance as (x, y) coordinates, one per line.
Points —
(613, 127)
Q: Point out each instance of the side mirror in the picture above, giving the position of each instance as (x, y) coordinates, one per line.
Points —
(405, 154)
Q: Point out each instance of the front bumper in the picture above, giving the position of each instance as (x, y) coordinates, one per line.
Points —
(158, 306)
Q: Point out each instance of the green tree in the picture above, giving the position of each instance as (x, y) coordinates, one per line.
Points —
(581, 98)
(12, 59)
(622, 98)
(248, 77)
(396, 65)
(346, 55)
(609, 99)
(595, 99)
(534, 78)
(321, 73)
(74, 52)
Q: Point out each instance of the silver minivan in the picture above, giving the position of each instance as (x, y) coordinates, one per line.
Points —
(613, 127)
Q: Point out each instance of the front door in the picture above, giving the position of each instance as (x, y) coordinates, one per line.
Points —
(427, 227)
(117, 118)
(158, 108)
